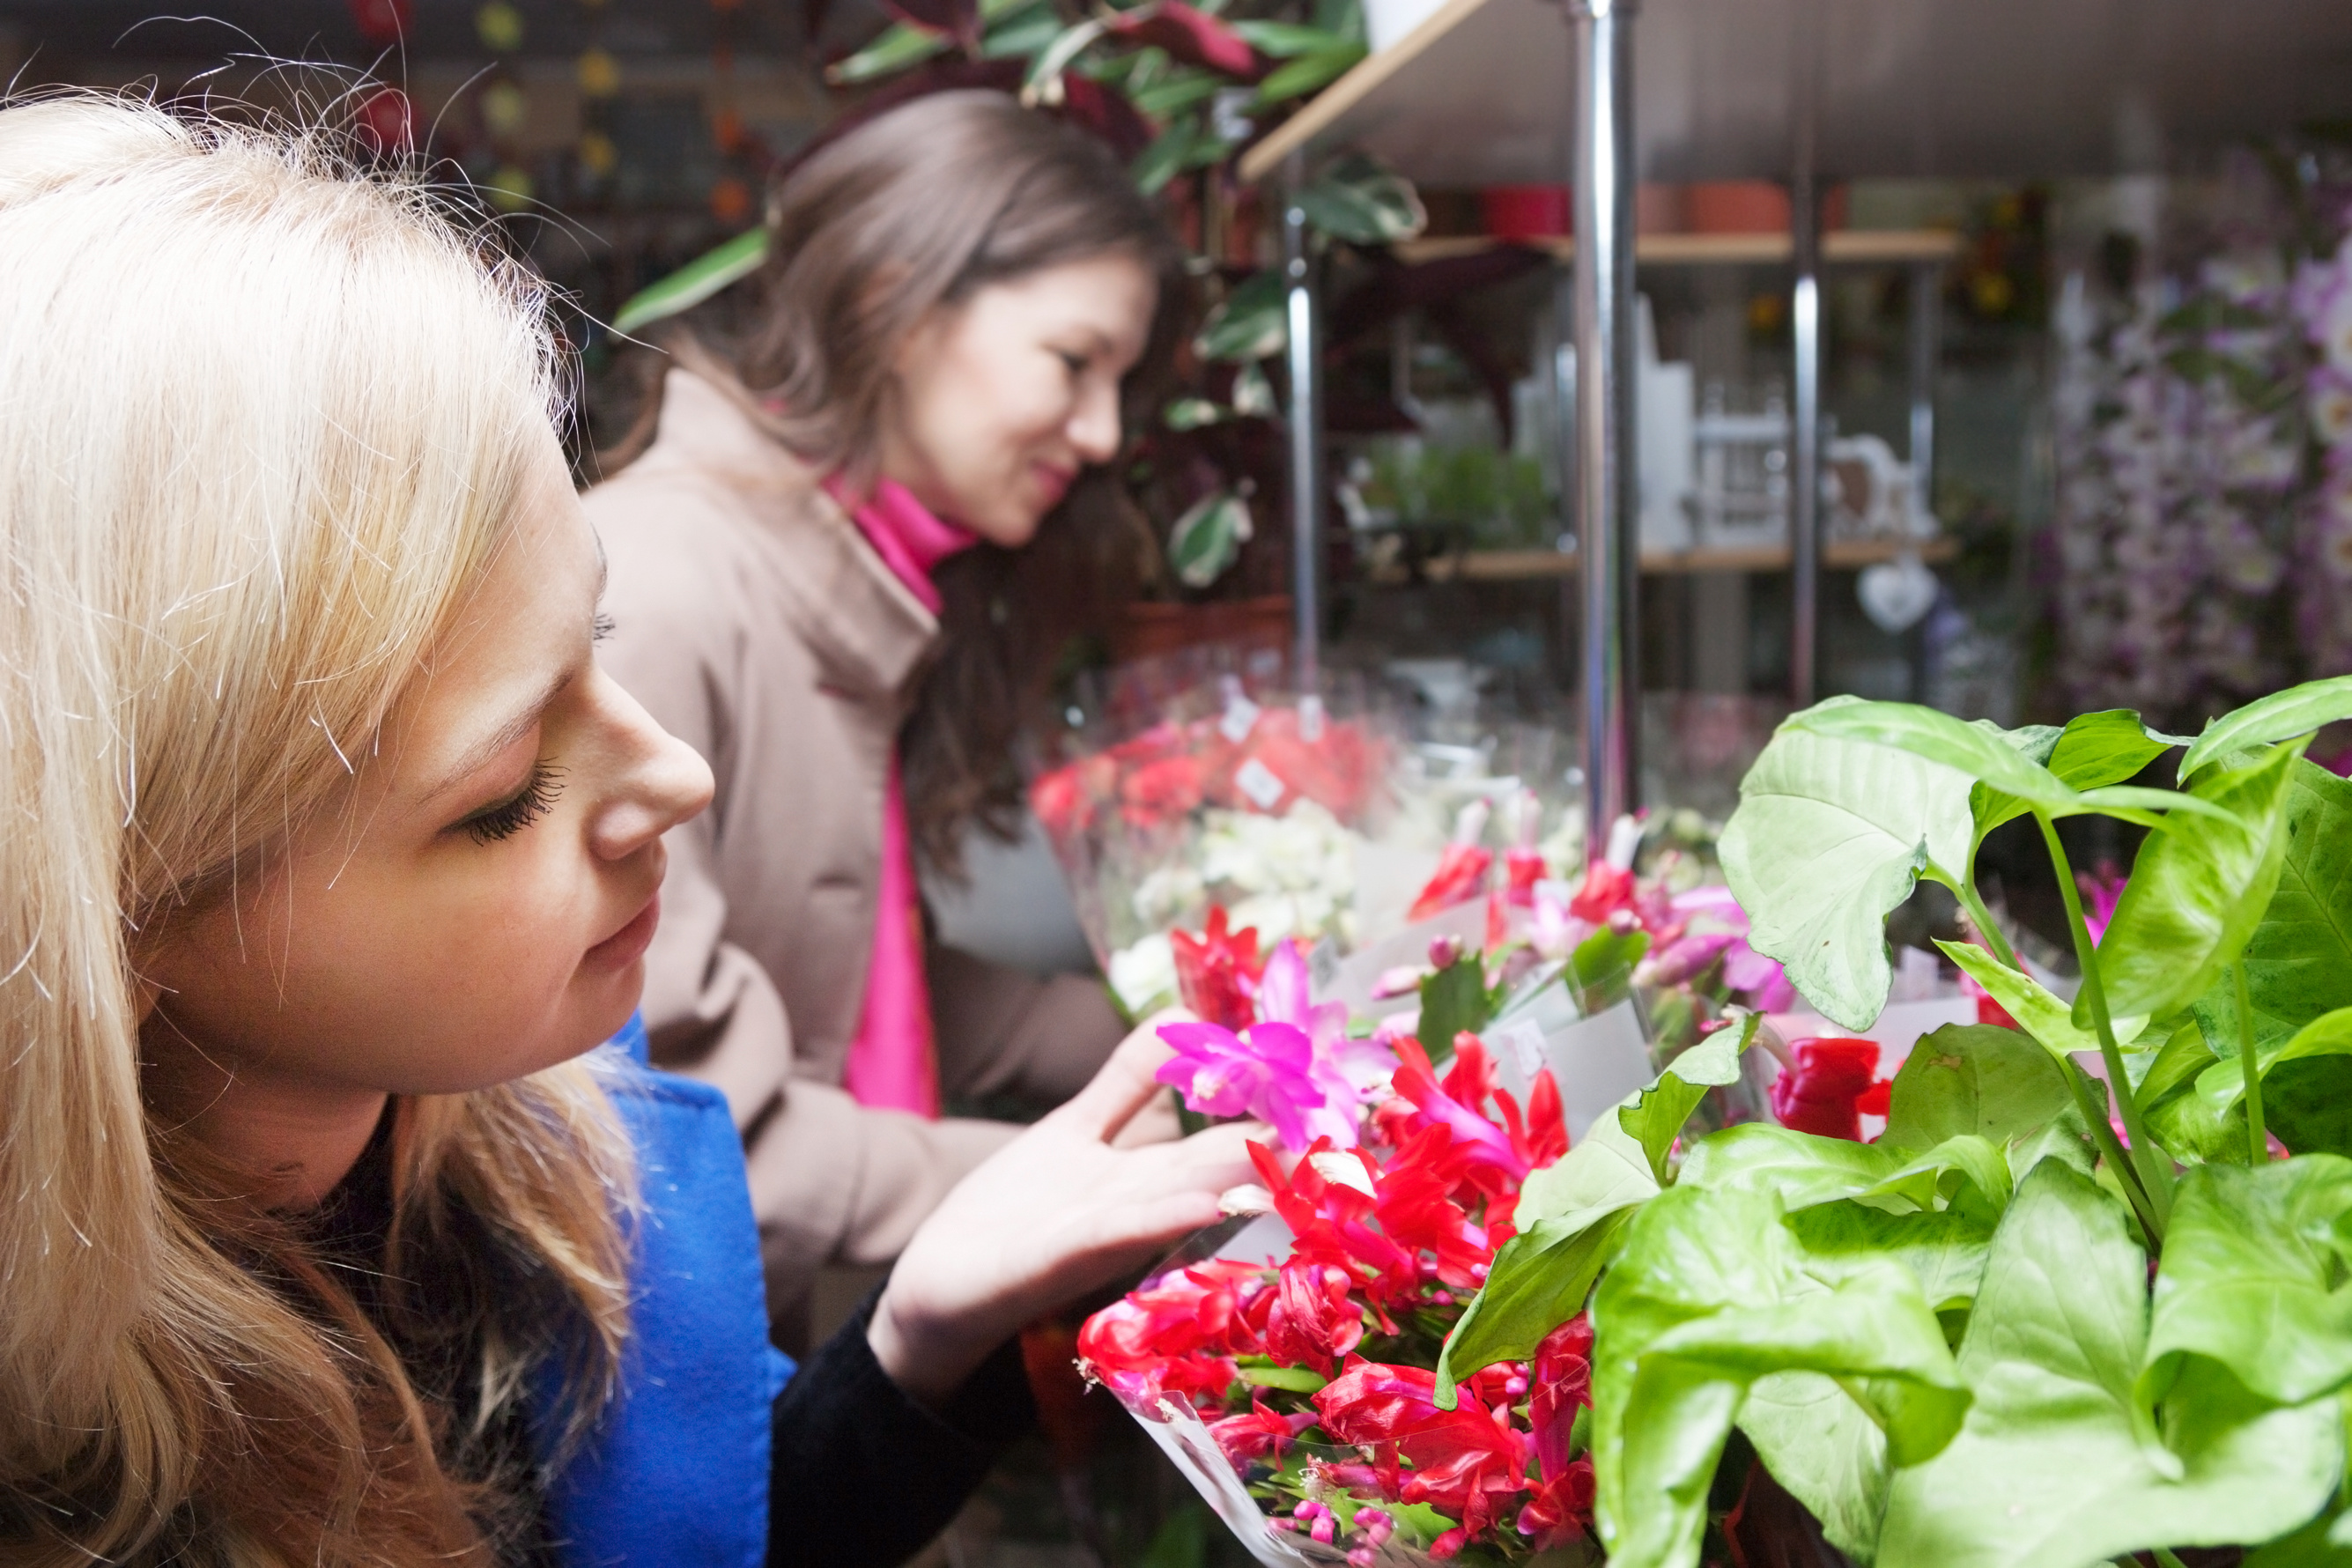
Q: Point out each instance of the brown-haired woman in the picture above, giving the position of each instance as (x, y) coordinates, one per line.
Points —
(841, 570)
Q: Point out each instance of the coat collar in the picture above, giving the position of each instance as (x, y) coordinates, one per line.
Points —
(869, 633)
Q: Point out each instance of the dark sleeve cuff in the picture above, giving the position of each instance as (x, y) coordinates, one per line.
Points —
(863, 1476)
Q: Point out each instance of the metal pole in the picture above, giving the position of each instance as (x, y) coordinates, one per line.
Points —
(1607, 487)
(1305, 431)
(1926, 332)
(1805, 324)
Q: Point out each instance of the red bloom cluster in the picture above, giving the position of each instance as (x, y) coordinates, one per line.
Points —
(1828, 1087)
(1165, 774)
(1391, 1239)
(1217, 972)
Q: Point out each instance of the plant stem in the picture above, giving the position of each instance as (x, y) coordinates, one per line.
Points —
(1978, 916)
(2154, 1179)
(2258, 1142)
(2093, 1106)
(2165, 1559)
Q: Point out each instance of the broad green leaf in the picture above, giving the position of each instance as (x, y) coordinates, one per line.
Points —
(1945, 1251)
(899, 46)
(2196, 894)
(1539, 1281)
(2190, 1129)
(1975, 1079)
(1020, 35)
(1208, 539)
(696, 281)
(1929, 1181)
(1980, 752)
(1711, 1294)
(1248, 323)
(1601, 970)
(1606, 1172)
(2255, 1277)
(2044, 1015)
(2282, 715)
(2324, 1543)
(1356, 200)
(2299, 960)
(2050, 1470)
(2096, 750)
(2184, 1054)
(1825, 1450)
(1799, 1169)
(1308, 72)
(1453, 999)
(1655, 1117)
(1829, 836)
(1990, 807)
(2307, 1086)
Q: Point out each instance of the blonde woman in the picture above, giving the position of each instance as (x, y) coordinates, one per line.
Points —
(331, 854)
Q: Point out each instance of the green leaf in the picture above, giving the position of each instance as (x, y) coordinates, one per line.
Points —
(696, 281)
(1356, 200)
(2324, 1543)
(1308, 72)
(1979, 750)
(1192, 413)
(1285, 40)
(2282, 715)
(1180, 89)
(2299, 960)
(1252, 394)
(2093, 752)
(1453, 999)
(2253, 1277)
(1830, 836)
(1607, 1172)
(2307, 1086)
(2044, 1015)
(1160, 163)
(2184, 1054)
(1655, 1117)
(1055, 57)
(2050, 1470)
(1601, 970)
(1944, 1250)
(1711, 1294)
(1539, 1281)
(1248, 325)
(1297, 1379)
(1799, 1169)
(1208, 539)
(1021, 34)
(1825, 1450)
(2196, 894)
(1975, 1079)
(899, 46)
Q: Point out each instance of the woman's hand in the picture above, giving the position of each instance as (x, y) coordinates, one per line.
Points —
(1056, 1212)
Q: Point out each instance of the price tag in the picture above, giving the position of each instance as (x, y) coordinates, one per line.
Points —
(1524, 1039)
(1240, 718)
(1261, 784)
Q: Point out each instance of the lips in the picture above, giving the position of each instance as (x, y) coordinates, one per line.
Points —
(628, 944)
(1056, 480)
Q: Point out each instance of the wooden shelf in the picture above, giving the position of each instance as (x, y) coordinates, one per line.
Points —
(1482, 93)
(1847, 247)
(1529, 566)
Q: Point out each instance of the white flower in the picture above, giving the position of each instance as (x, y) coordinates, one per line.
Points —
(1143, 976)
(1167, 895)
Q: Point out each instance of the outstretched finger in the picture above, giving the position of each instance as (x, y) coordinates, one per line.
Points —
(1124, 1085)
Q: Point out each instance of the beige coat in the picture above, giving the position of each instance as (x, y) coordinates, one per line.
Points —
(753, 621)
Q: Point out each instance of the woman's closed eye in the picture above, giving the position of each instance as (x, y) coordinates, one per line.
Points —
(517, 811)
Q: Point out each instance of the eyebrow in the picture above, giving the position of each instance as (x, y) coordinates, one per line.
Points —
(515, 728)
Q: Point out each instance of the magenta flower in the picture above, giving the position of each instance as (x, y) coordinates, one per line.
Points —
(1295, 1068)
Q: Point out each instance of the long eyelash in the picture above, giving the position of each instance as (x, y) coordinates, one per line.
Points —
(513, 814)
(600, 628)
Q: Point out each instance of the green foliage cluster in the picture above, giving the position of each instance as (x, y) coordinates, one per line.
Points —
(2054, 1317)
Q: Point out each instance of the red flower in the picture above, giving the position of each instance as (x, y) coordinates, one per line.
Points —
(1309, 1319)
(1818, 1093)
(1606, 890)
(1416, 1080)
(1217, 972)
(1327, 1219)
(1560, 1384)
(1468, 1462)
(1522, 870)
(1414, 1204)
(1260, 1433)
(1560, 1510)
(1175, 1334)
(1160, 791)
(1460, 877)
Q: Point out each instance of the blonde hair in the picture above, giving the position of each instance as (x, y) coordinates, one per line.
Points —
(262, 421)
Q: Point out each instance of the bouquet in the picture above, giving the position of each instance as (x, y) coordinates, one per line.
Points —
(1289, 1370)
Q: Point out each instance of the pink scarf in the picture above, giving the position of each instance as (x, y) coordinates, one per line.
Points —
(893, 1061)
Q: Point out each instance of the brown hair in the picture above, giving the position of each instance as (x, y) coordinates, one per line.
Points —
(913, 210)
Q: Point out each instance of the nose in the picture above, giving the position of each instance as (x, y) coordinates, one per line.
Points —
(1093, 426)
(661, 781)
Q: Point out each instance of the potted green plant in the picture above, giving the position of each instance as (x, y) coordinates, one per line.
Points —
(2075, 1305)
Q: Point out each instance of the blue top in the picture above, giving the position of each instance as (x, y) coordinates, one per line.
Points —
(676, 1469)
